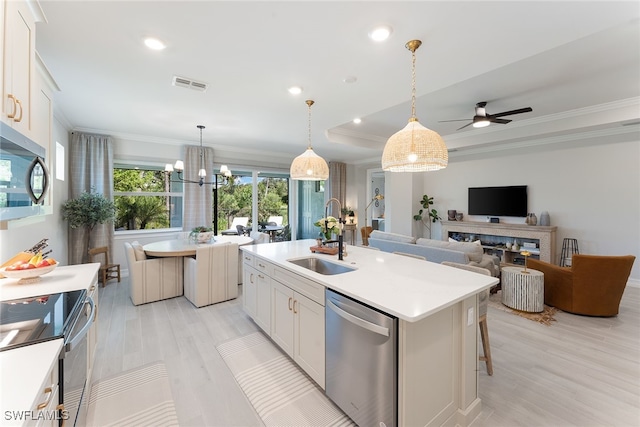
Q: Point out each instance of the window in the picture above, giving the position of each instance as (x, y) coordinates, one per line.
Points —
(145, 198)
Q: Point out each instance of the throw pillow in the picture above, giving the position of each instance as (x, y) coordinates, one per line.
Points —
(138, 251)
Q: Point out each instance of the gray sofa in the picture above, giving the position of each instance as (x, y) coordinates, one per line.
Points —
(436, 250)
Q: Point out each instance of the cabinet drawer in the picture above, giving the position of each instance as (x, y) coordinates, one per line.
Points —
(247, 258)
(306, 287)
(263, 266)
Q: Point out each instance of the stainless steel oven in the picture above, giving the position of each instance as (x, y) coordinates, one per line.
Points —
(66, 315)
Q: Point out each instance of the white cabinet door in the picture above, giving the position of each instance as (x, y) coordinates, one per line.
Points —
(263, 302)
(282, 316)
(19, 57)
(249, 295)
(309, 349)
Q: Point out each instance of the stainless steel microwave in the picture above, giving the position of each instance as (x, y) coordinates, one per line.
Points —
(24, 178)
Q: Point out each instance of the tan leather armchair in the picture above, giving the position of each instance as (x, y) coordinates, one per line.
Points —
(592, 286)
(213, 275)
(152, 279)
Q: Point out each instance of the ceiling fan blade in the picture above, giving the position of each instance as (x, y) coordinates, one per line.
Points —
(512, 112)
(468, 124)
(500, 121)
(457, 120)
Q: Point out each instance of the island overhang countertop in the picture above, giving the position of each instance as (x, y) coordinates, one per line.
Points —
(408, 288)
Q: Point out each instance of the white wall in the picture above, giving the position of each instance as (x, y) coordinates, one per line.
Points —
(591, 193)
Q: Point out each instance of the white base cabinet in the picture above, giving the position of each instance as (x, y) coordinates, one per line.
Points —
(291, 313)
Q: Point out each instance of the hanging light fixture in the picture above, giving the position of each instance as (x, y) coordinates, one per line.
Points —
(414, 148)
(202, 173)
(308, 166)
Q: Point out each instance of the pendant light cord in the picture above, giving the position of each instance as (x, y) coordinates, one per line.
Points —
(309, 103)
(413, 84)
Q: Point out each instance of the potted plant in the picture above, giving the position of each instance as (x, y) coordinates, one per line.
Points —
(88, 210)
(427, 215)
(201, 234)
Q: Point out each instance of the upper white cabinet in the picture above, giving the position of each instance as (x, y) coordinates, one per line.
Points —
(19, 65)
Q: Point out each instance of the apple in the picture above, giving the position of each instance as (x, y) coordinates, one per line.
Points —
(42, 263)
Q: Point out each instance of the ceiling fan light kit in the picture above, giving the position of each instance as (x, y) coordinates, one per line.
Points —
(414, 148)
(309, 166)
(482, 119)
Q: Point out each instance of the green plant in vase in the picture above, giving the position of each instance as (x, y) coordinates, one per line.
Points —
(328, 226)
(427, 215)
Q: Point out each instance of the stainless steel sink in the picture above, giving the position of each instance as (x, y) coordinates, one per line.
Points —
(321, 266)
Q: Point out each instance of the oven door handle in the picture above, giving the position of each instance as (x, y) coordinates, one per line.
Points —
(82, 332)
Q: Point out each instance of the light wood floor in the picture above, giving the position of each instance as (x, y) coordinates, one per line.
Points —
(580, 371)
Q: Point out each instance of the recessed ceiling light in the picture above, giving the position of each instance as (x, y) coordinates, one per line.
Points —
(380, 33)
(153, 43)
(295, 90)
(350, 79)
(357, 120)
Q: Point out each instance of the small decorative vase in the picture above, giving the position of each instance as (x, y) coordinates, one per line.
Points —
(451, 215)
(545, 219)
(532, 219)
(458, 216)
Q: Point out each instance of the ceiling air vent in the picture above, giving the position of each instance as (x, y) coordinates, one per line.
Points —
(188, 83)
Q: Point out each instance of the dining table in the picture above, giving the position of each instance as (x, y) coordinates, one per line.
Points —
(272, 230)
(187, 247)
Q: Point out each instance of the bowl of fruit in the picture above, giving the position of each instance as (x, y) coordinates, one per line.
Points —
(29, 270)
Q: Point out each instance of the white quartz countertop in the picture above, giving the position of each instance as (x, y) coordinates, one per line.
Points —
(23, 372)
(408, 288)
(24, 369)
(62, 279)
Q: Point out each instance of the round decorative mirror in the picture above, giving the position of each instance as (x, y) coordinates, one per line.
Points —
(38, 180)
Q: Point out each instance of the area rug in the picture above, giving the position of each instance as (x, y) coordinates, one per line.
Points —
(281, 393)
(545, 317)
(138, 397)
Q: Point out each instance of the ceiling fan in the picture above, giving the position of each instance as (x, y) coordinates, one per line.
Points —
(482, 118)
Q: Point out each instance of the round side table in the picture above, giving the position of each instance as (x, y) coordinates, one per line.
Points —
(523, 291)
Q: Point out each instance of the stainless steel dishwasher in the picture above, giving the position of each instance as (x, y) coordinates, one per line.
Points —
(361, 361)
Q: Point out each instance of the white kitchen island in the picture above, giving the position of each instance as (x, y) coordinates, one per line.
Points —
(436, 307)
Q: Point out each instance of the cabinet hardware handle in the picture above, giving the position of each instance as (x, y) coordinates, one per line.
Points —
(92, 288)
(19, 119)
(15, 107)
(290, 299)
(247, 258)
(261, 276)
(294, 306)
(60, 408)
(251, 278)
(49, 392)
(261, 265)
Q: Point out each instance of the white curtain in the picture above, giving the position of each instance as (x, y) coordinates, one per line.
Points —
(336, 186)
(198, 201)
(90, 170)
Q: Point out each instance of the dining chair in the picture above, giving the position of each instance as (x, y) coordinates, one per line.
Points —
(483, 302)
(107, 270)
(152, 279)
(212, 276)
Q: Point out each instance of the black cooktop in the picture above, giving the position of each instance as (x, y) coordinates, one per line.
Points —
(36, 319)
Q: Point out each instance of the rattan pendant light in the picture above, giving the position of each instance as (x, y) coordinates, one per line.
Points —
(414, 148)
(308, 166)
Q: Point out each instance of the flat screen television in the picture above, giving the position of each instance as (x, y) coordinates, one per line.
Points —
(498, 201)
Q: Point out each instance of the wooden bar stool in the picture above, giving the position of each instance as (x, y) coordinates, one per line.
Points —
(107, 271)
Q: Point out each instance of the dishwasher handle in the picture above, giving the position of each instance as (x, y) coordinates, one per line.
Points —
(380, 330)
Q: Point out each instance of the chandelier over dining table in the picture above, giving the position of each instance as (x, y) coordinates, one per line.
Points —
(178, 167)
